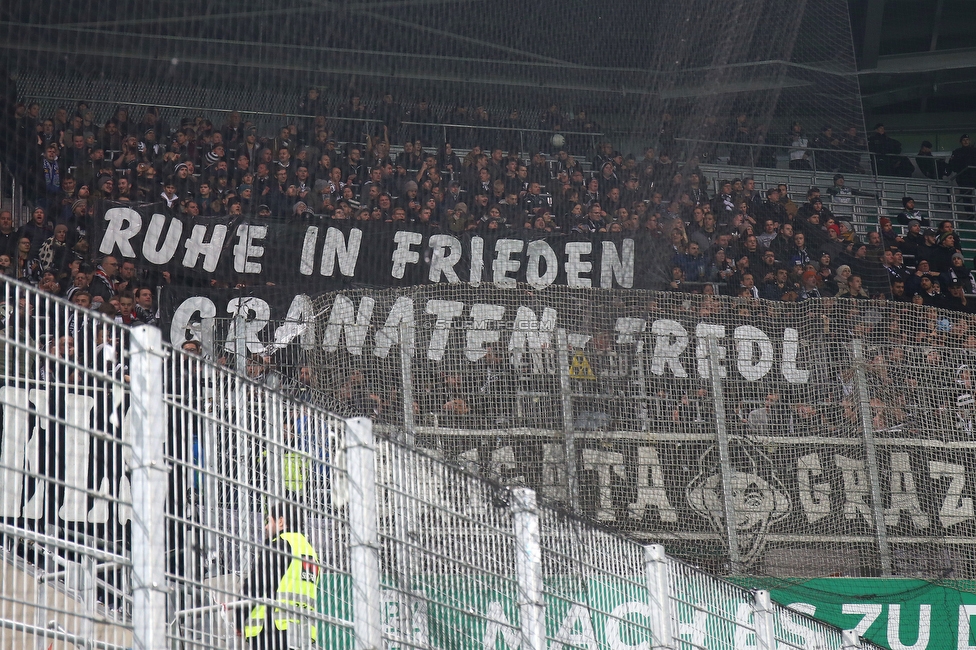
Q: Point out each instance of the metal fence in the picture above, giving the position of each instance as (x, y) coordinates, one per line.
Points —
(842, 421)
(237, 452)
(142, 487)
(852, 420)
(65, 497)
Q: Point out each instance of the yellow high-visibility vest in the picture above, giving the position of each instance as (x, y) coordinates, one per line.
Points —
(298, 589)
(296, 469)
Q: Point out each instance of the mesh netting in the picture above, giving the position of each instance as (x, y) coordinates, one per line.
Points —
(831, 416)
(612, 72)
(845, 459)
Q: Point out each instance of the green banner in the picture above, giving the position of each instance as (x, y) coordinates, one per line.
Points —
(899, 614)
(481, 613)
(601, 613)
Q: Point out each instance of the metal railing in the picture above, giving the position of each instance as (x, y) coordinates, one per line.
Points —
(355, 129)
(147, 531)
(809, 158)
(880, 196)
(12, 196)
(237, 451)
(64, 495)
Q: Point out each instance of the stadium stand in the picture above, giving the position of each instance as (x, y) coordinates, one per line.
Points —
(144, 511)
(640, 278)
(301, 172)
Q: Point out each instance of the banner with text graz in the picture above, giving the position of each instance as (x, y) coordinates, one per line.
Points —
(893, 613)
(325, 255)
(801, 508)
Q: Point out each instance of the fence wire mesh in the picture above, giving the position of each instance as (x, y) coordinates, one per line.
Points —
(848, 424)
(248, 469)
(239, 454)
(794, 628)
(594, 583)
(64, 491)
(708, 613)
(447, 548)
(466, 66)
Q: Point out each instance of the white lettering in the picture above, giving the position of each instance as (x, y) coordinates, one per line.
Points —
(481, 334)
(477, 261)
(337, 249)
(904, 494)
(36, 508)
(123, 225)
(620, 267)
(750, 343)
(528, 333)
(539, 251)
(152, 252)
(77, 450)
(503, 263)
(617, 618)
(184, 328)
(575, 266)
(870, 614)
(503, 466)
(650, 487)
(809, 638)
(855, 489)
(402, 255)
(197, 246)
(815, 499)
(398, 329)
(894, 628)
(955, 508)
(299, 321)
(498, 624)
(344, 318)
(442, 262)
(744, 637)
(577, 616)
(307, 261)
(245, 249)
(695, 628)
(627, 329)
(250, 315)
(705, 334)
(605, 464)
(966, 612)
(554, 472)
(791, 348)
(446, 311)
(671, 339)
(13, 456)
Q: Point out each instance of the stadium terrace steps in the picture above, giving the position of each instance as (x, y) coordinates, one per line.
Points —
(938, 199)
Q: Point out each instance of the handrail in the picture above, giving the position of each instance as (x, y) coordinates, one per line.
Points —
(873, 155)
(310, 116)
(18, 209)
(60, 634)
(770, 145)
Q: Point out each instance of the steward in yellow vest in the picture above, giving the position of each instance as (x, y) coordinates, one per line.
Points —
(286, 571)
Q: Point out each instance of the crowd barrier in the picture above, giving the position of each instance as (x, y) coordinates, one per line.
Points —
(137, 480)
(837, 435)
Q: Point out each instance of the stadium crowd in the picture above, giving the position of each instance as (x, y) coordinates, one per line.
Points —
(744, 240)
